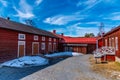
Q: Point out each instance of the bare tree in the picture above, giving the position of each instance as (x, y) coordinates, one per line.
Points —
(30, 22)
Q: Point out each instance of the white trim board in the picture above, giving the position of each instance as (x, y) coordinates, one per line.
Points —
(38, 46)
(21, 43)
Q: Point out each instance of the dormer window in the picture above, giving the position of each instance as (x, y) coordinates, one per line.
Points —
(21, 36)
(35, 37)
(43, 38)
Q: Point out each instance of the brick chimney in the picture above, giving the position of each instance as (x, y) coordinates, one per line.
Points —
(8, 18)
(54, 31)
(62, 34)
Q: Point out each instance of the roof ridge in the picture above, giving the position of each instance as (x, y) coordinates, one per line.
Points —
(13, 25)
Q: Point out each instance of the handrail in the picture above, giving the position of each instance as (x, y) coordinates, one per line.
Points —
(98, 53)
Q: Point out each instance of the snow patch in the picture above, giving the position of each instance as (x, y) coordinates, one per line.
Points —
(64, 54)
(26, 61)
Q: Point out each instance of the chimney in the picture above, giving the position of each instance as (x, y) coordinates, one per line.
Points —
(8, 18)
(62, 34)
(54, 31)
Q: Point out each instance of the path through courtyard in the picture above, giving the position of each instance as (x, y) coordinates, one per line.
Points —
(73, 68)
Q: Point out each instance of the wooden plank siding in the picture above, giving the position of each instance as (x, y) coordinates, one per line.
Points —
(9, 44)
(81, 49)
(111, 41)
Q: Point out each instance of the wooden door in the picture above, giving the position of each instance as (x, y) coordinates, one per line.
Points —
(35, 48)
(21, 48)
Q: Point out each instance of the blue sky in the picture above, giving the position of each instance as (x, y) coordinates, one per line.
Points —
(71, 17)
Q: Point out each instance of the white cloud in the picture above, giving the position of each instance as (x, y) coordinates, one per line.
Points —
(77, 31)
(22, 14)
(116, 17)
(62, 19)
(96, 23)
(89, 4)
(113, 16)
(25, 10)
(4, 3)
(37, 2)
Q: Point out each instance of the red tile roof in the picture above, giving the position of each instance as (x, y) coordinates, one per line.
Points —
(91, 40)
(79, 40)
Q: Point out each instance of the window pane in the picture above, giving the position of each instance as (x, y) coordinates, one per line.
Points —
(21, 36)
(116, 41)
(42, 46)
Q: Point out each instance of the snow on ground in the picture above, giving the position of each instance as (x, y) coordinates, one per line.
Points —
(26, 61)
(64, 54)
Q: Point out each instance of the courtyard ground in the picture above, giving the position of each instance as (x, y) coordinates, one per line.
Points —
(73, 68)
(80, 67)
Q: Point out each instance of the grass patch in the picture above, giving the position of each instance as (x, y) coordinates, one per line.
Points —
(118, 63)
(106, 69)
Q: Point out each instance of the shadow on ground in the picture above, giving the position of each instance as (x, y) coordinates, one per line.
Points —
(9, 73)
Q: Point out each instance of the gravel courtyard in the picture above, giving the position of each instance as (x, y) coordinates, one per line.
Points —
(73, 68)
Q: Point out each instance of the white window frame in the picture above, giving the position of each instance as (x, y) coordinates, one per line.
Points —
(21, 43)
(54, 46)
(50, 46)
(33, 46)
(113, 42)
(116, 43)
(21, 38)
(43, 38)
(54, 39)
(109, 42)
(50, 39)
(36, 37)
(43, 46)
(106, 42)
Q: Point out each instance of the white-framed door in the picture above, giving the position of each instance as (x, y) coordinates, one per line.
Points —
(21, 48)
(35, 48)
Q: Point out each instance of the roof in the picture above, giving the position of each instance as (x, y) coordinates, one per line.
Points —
(113, 30)
(75, 45)
(83, 40)
(12, 25)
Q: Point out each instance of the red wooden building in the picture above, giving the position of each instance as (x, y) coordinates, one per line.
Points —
(112, 39)
(18, 40)
(76, 44)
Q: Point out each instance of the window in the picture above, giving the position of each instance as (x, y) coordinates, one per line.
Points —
(54, 39)
(50, 39)
(50, 46)
(54, 46)
(109, 42)
(43, 38)
(105, 42)
(116, 43)
(113, 42)
(21, 36)
(42, 46)
(35, 37)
